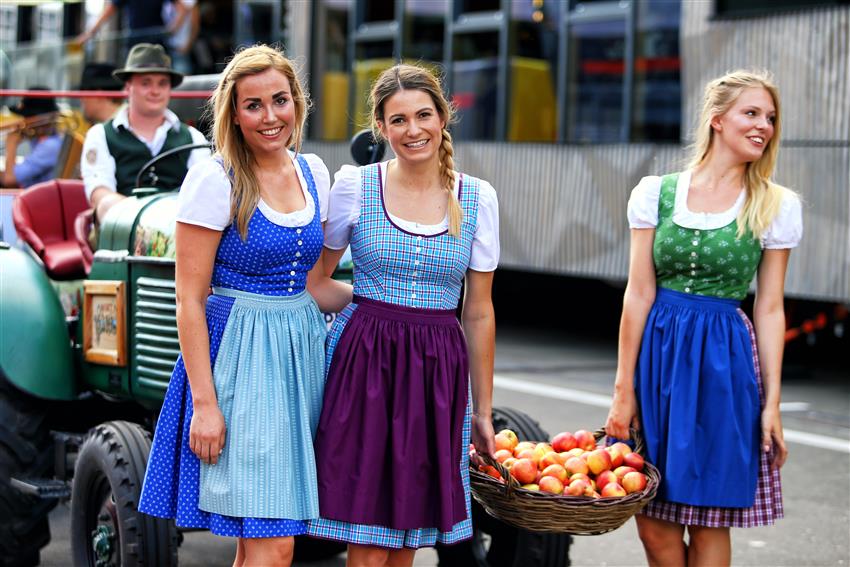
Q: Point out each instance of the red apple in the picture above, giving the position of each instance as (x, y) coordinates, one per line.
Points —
(551, 485)
(502, 455)
(541, 449)
(581, 476)
(598, 461)
(622, 448)
(531, 486)
(577, 487)
(550, 458)
(633, 460)
(585, 440)
(577, 452)
(612, 489)
(525, 454)
(634, 482)
(576, 465)
(616, 457)
(490, 470)
(524, 470)
(522, 446)
(509, 462)
(511, 437)
(604, 478)
(555, 470)
(623, 471)
(563, 441)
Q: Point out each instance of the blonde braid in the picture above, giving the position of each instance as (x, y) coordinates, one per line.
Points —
(447, 174)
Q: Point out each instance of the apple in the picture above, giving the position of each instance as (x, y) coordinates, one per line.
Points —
(577, 487)
(524, 470)
(576, 465)
(604, 478)
(623, 448)
(522, 446)
(490, 470)
(577, 452)
(526, 454)
(509, 462)
(550, 458)
(633, 460)
(551, 485)
(511, 437)
(585, 440)
(616, 457)
(541, 449)
(530, 486)
(598, 461)
(555, 470)
(502, 455)
(613, 490)
(563, 441)
(634, 482)
(581, 476)
(623, 471)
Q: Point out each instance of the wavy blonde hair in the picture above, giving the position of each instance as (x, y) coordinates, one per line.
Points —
(764, 197)
(228, 140)
(412, 77)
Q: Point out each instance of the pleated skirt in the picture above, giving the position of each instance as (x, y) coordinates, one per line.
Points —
(700, 396)
(268, 370)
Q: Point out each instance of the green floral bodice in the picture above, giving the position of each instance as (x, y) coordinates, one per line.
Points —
(703, 262)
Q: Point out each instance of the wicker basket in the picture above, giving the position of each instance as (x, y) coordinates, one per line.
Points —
(542, 512)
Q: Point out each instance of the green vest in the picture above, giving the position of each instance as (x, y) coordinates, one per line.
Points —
(704, 262)
(131, 154)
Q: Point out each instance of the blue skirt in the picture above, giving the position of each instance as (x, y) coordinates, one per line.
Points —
(698, 400)
(268, 370)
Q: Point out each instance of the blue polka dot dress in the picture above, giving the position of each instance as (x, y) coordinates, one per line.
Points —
(267, 351)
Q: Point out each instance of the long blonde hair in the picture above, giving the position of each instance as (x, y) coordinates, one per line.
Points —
(412, 77)
(764, 197)
(227, 137)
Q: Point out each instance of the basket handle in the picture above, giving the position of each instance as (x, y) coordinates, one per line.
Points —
(511, 483)
(634, 434)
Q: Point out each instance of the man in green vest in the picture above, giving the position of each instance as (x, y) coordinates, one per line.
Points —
(115, 151)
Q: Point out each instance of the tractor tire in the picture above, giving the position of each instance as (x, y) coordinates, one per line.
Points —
(26, 451)
(497, 544)
(107, 529)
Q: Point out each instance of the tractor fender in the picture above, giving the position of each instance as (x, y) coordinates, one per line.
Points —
(35, 346)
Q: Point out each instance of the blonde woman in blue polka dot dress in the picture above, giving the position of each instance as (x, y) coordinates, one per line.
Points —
(694, 374)
(233, 446)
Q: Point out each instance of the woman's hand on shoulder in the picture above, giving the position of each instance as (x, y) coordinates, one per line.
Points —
(207, 432)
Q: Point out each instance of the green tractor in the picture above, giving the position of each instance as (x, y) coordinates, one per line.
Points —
(88, 341)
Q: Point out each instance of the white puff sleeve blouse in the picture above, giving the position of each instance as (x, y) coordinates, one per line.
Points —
(344, 212)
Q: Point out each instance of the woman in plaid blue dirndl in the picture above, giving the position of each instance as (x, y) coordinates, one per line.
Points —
(694, 374)
(391, 447)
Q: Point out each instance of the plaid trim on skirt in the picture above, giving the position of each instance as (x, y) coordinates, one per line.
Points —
(768, 501)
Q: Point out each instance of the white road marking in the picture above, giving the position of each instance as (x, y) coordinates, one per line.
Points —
(603, 401)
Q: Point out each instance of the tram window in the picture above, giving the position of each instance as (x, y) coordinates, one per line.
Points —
(474, 86)
(595, 84)
(378, 11)
(329, 75)
(424, 29)
(532, 108)
(479, 5)
(656, 102)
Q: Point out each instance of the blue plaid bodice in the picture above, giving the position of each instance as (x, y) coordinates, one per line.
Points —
(400, 267)
(274, 259)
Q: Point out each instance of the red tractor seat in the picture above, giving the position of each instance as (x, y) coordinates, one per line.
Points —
(82, 228)
(44, 218)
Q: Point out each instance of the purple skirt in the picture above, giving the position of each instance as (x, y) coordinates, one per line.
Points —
(392, 420)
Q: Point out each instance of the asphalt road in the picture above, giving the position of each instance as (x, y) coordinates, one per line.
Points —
(564, 382)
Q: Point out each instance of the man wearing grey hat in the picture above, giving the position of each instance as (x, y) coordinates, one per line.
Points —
(115, 151)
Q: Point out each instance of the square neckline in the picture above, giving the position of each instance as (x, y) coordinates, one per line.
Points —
(389, 216)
